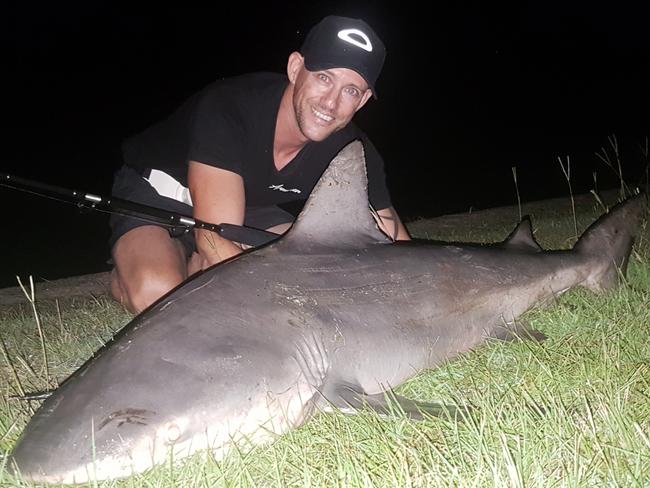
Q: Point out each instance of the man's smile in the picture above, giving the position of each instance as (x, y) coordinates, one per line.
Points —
(321, 115)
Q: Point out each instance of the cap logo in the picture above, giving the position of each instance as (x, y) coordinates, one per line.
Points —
(346, 35)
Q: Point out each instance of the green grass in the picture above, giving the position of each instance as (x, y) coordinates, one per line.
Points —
(573, 411)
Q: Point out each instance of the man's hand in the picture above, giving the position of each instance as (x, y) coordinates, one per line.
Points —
(225, 250)
(214, 248)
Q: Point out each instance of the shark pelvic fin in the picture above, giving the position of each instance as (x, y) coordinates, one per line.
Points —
(519, 330)
(337, 213)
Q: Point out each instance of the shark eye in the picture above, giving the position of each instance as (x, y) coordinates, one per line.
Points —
(171, 432)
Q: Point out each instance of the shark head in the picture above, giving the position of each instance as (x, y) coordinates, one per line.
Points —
(120, 422)
(111, 420)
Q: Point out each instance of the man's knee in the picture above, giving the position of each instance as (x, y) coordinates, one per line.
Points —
(143, 288)
(148, 264)
(149, 288)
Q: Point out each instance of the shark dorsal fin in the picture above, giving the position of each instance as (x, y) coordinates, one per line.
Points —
(337, 212)
(522, 237)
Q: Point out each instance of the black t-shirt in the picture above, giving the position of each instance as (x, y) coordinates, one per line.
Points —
(230, 124)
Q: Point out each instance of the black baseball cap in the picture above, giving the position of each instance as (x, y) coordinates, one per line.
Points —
(342, 42)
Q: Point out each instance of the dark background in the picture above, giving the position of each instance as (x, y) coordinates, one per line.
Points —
(469, 90)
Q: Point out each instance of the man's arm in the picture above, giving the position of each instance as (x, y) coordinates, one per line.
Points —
(391, 225)
(218, 197)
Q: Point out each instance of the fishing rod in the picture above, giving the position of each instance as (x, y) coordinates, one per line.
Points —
(177, 224)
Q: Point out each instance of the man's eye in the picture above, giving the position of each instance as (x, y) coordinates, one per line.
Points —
(323, 77)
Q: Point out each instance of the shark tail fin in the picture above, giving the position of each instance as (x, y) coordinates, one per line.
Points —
(609, 240)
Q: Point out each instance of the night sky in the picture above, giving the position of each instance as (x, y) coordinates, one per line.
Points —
(469, 90)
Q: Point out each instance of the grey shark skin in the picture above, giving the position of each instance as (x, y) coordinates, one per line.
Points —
(330, 314)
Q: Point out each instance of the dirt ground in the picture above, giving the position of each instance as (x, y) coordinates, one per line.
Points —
(90, 285)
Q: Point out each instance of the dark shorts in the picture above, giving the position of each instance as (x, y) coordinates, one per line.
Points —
(128, 184)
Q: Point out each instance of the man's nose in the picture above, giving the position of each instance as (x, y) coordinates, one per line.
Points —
(330, 99)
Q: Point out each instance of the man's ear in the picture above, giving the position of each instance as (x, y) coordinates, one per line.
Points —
(294, 65)
(366, 97)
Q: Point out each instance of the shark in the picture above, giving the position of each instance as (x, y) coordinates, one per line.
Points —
(331, 316)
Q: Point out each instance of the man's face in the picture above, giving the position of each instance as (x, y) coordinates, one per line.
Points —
(325, 101)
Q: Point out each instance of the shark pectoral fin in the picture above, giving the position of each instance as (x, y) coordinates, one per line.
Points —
(517, 331)
(392, 405)
(351, 400)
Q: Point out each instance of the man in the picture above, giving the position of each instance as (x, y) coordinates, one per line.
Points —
(240, 148)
